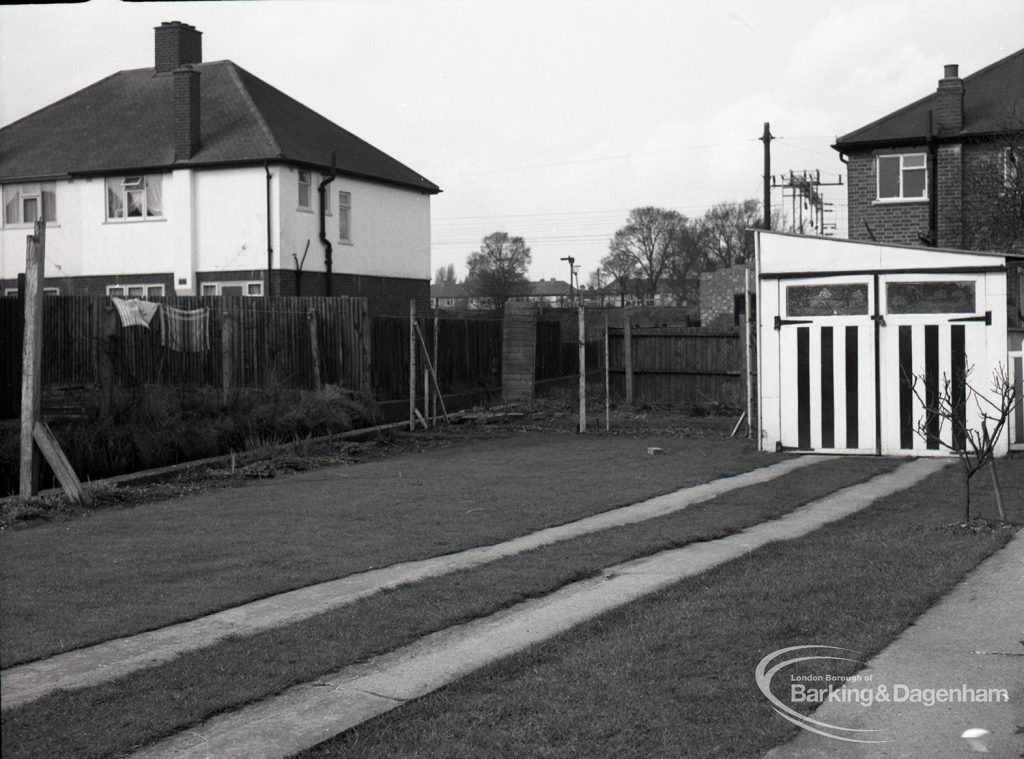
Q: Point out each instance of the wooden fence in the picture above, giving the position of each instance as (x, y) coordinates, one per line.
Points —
(680, 365)
(248, 343)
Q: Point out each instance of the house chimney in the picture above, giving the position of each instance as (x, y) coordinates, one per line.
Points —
(949, 112)
(186, 113)
(176, 45)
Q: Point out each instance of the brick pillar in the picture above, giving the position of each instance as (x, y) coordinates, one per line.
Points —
(519, 350)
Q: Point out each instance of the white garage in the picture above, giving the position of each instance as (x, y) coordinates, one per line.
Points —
(855, 339)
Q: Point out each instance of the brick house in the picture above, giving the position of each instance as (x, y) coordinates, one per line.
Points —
(196, 178)
(947, 171)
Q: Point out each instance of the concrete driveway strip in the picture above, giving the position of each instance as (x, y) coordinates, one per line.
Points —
(86, 667)
(973, 638)
(310, 713)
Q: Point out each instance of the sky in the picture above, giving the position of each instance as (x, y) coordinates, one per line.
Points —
(551, 119)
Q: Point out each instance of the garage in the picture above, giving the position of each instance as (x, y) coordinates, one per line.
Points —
(855, 339)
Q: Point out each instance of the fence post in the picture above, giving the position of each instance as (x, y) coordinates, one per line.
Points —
(227, 331)
(32, 359)
(105, 369)
(627, 355)
(314, 346)
(366, 345)
(412, 365)
(437, 327)
(607, 381)
(583, 370)
(749, 353)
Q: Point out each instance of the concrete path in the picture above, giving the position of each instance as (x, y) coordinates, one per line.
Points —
(86, 667)
(973, 638)
(310, 713)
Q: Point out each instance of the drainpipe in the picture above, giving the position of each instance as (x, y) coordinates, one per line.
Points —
(270, 245)
(322, 190)
(933, 186)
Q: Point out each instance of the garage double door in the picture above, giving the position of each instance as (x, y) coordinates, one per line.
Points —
(863, 358)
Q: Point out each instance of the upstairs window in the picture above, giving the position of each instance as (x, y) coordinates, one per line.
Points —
(304, 191)
(24, 203)
(345, 216)
(134, 198)
(903, 176)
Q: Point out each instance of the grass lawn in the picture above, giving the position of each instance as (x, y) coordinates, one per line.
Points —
(113, 717)
(115, 572)
(673, 675)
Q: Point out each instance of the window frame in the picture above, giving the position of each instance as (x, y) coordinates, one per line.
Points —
(245, 284)
(344, 216)
(146, 287)
(305, 179)
(143, 187)
(38, 193)
(901, 157)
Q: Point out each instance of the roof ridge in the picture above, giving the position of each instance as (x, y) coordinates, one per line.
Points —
(233, 69)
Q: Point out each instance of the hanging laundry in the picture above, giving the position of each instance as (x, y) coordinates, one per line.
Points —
(185, 330)
(135, 312)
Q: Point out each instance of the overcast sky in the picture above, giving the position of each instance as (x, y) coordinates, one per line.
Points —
(550, 119)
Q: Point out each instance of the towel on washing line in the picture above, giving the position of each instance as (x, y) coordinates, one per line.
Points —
(135, 312)
(185, 330)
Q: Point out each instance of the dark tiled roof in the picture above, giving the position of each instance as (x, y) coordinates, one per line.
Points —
(448, 291)
(125, 122)
(993, 103)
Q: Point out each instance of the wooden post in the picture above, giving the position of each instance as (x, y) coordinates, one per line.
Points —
(314, 346)
(59, 463)
(437, 330)
(32, 359)
(749, 351)
(365, 345)
(412, 365)
(105, 367)
(607, 384)
(426, 380)
(227, 354)
(430, 373)
(627, 355)
(583, 371)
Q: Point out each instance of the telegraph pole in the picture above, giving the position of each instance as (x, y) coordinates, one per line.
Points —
(766, 138)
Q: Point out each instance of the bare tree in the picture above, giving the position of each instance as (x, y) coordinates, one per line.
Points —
(974, 446)
(991, 212)
(646, 245)
(498, 270)
(722, 233)
(445, 275)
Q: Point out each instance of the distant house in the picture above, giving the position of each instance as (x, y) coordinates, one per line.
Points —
(199, 178)
(553, 293)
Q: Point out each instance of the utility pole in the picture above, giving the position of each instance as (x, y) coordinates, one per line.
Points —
(572, 270)
(766, 138)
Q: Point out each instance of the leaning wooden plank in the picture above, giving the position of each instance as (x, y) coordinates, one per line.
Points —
(59, 463)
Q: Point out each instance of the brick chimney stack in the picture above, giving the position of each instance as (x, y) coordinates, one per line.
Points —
(177, 44)
(949, 113)
(187, 137)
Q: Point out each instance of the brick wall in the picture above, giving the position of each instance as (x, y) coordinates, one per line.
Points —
(519, 350)
(949, 178)
(718, 291)
(898, 223)
(97, 285)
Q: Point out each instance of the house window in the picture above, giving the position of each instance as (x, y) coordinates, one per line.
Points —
(135, 198)
(135, 291)
(345, 216)
(233, 289)
(903, 176)
(304, 191)
(24, 203)
(12, 292)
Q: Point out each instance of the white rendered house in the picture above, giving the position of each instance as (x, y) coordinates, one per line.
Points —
(197, 178)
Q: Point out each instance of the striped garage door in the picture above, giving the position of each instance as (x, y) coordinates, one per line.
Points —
(863, 359)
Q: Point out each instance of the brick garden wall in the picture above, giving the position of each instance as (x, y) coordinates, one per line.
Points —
(718, 291)
(519, 350)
